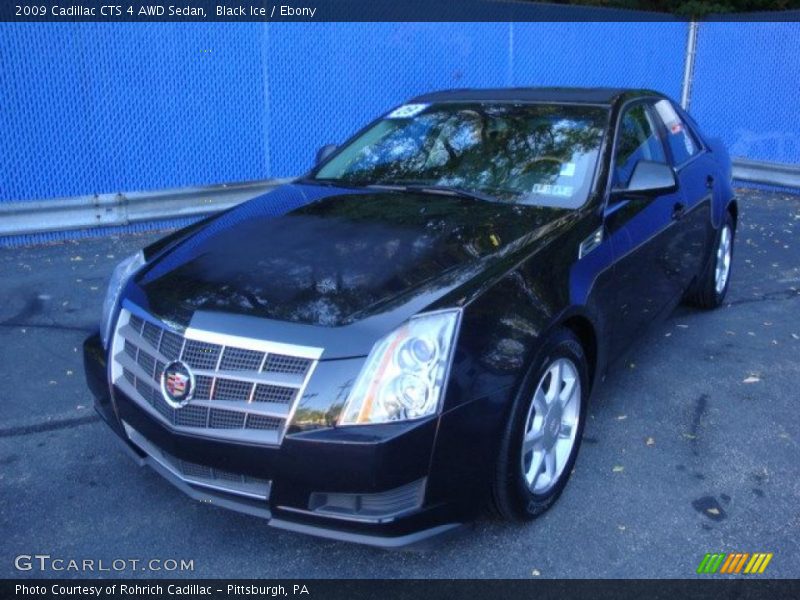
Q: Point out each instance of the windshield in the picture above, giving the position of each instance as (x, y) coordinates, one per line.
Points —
(541, 154)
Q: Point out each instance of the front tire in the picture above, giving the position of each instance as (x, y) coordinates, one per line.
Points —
(543, 435)
(714, 282)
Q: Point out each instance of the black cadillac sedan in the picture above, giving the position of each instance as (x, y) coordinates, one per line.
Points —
(412, 331)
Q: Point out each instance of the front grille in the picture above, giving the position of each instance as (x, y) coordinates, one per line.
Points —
(226, 419)
(152, 333)
(236, 359)
(233, 389)
(202, 390)
(240, 393)
(279, 363)
(262, 422)
(199, 355)
(171, 345)
(192, 416)
(272, 393)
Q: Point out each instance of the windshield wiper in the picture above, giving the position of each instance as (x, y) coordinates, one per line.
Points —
(334, 182)
(433, 188)
(408, 185)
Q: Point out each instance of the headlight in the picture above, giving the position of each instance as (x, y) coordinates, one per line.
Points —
(122, 272)
(405, 372)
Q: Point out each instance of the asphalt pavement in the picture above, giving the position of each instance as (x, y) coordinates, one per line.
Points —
(692, 444)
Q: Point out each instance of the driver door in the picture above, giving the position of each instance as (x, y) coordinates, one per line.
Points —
(643, 232)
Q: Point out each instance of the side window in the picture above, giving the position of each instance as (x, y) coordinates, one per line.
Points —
(682, 143)
(638, 140)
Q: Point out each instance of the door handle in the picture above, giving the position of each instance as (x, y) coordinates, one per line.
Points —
(710, 181)
(678, 210)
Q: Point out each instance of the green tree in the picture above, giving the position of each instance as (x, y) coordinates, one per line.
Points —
(691, 8)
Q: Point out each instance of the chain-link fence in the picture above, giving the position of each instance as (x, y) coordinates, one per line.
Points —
(102, 108)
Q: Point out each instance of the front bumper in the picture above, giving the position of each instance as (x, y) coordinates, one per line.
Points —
(366, 485)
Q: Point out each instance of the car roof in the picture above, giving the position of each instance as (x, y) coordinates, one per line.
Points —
(568, 95)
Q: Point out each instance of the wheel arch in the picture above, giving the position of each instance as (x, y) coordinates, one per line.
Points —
(578, 321)
(733, 210)
(585, 331)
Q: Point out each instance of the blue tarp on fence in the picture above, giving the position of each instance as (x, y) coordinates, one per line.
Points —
(97, 108)
(746, 88)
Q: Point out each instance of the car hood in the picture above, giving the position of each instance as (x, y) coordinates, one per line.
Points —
(329, 257)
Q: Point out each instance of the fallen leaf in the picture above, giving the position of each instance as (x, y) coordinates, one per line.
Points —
(751, 379)
(618, 469)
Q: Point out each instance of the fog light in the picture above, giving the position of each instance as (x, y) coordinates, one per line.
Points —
(377, 508)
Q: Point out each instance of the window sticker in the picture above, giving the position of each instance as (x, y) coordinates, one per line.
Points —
(568, 170)
(552, 190)
(406, 111)
(667, 113)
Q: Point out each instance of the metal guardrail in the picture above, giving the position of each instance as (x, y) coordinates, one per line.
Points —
(766, 172)
(104, 210)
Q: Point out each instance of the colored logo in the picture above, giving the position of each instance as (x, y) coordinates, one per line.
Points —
(735, 563)
(177, 384)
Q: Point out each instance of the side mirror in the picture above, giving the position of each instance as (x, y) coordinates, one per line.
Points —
(650, 178)
(325, 152)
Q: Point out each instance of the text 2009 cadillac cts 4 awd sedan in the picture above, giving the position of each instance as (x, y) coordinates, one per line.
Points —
(412, 331)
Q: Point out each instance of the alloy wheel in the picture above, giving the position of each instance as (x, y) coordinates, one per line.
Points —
(723, 264)
(551, 426)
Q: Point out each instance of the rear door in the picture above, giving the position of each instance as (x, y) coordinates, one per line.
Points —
(642, 230)
(697, 177)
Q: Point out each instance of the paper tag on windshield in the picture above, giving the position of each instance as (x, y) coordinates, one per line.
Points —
(552, 190)
(406, 111)
(669, 116)
(568, 169)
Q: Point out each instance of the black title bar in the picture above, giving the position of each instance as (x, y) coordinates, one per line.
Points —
(540, 589)
(336, 10)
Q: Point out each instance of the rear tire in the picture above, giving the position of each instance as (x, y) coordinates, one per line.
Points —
(544, 431)
(714, 282)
